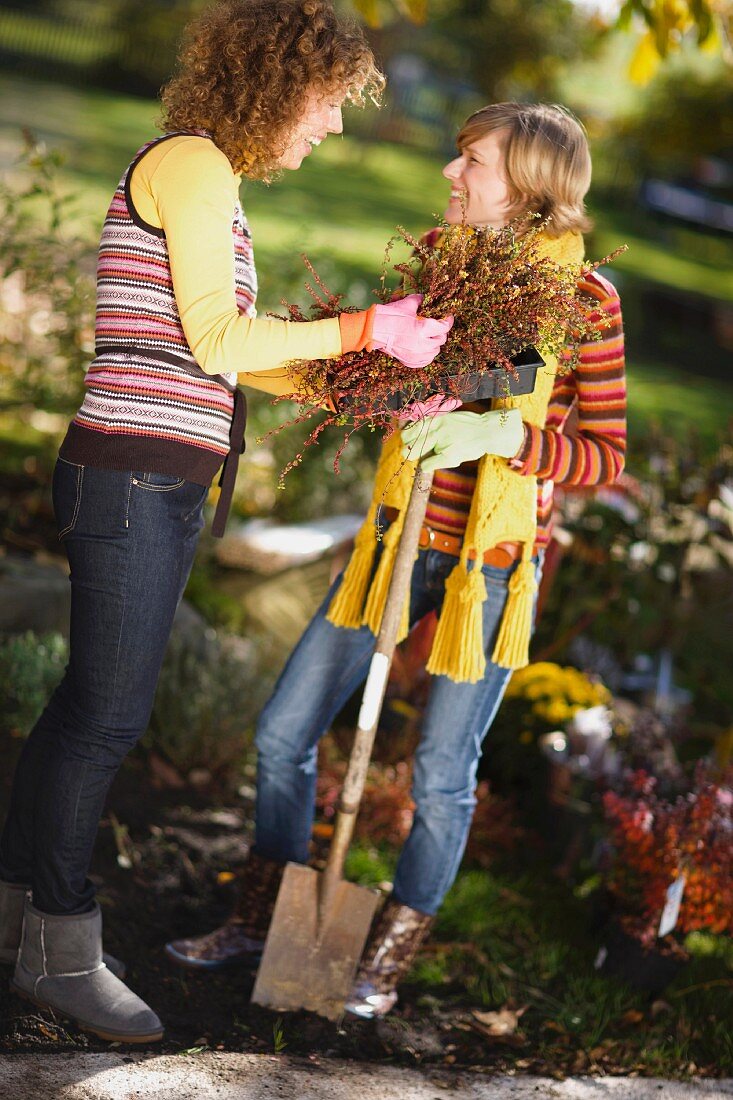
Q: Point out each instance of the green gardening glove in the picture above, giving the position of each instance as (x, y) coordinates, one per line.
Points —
(462, 436)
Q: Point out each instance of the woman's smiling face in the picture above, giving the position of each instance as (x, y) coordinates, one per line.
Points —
(479, 184)
(321, 116)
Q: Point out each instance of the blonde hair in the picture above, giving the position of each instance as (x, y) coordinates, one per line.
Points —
(546, 157)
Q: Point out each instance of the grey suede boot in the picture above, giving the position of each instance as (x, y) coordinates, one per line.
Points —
(12, 900)
(60, 967)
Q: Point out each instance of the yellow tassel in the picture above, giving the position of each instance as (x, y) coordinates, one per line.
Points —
(393, 477)
(377, 598)
(512, 644)
(458, 647)
(346, 606)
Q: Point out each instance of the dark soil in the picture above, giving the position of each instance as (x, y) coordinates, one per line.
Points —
(178, 845)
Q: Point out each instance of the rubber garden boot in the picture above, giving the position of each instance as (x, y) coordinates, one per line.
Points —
(394, 940)
(12, 900)
(241, 939)
(60, 967)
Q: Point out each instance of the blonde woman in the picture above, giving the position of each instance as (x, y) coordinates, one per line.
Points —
(261, 83)
(486, 528)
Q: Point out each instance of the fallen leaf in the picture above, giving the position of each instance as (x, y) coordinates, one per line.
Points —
(503, 1022)
(553, 1025)
(580, 1062)
(633, 1016)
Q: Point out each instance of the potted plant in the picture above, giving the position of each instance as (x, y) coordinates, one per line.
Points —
(540, 701)
(506, 299)
(670, 873)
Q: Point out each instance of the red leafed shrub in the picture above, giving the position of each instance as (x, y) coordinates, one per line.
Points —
(655, 840)
(387, 808)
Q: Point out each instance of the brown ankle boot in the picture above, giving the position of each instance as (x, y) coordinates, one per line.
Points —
(394, 941)
(240, 940)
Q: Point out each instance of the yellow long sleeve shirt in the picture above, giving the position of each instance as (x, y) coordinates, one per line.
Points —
(185, 187)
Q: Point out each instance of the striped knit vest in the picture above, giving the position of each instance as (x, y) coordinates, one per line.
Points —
(148, 405)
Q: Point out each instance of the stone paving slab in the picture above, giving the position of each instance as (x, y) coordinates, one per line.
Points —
(117, 1076)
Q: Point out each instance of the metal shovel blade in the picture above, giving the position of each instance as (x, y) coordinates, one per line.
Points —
(310, 962)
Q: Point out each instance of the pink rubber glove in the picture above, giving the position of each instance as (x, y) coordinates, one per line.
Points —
(436, 405)
(399, 332)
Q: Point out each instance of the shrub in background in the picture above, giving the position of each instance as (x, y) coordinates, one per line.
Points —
(208, 696)
(206, 702)
(46, 291)
(30, 667)
(655, 840)
(650, 568)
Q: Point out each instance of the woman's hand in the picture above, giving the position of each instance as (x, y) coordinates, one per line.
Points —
(436, 405)
(462, 436)
(395, 329)
(398, 331)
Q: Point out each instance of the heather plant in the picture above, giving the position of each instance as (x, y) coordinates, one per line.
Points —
(504, 296)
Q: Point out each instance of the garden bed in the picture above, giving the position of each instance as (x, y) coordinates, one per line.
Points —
(512, 941)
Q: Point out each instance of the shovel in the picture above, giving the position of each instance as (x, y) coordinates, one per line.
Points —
(320, 922)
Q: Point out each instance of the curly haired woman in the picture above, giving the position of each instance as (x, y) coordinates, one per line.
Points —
(261, 82)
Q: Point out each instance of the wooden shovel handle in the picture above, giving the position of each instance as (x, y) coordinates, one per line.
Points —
(376, 684)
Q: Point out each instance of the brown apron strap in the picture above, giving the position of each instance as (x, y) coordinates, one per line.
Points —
(228, 475)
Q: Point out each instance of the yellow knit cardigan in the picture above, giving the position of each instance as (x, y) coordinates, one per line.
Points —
(503, 509)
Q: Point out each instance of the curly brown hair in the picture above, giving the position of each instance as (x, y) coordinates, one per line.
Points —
(246, 68)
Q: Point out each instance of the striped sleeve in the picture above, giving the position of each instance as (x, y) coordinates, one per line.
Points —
(594, 453)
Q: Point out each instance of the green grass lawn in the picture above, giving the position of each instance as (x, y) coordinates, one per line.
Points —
(342, 207)
(668, 398)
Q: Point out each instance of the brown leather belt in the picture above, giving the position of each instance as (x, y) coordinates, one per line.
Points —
(501, 556)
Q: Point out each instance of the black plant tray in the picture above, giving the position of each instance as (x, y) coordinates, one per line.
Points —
(625, 959)
(484, 385)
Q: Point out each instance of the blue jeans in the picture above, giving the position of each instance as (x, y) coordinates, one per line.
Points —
(327, 666)
(130, 538)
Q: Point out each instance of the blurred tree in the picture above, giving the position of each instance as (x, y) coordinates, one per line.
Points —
(666, 24)
(151, 33)
(507, 48)
(670, 23)
(683, 116)
(376, 12)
